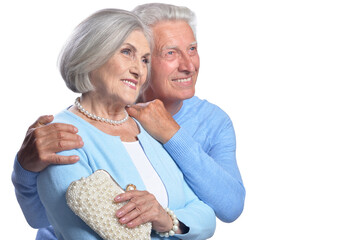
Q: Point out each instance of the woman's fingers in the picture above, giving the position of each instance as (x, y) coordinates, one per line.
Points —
(139, 200)
(142, 207)
(140, 219)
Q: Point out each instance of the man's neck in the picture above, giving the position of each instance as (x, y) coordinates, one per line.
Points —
(171, 106)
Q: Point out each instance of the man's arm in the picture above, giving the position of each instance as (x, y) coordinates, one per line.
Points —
(38, 150)
(214, 175)
(43, 140)
(27, 196)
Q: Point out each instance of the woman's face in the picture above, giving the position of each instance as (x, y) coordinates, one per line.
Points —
(121, 77)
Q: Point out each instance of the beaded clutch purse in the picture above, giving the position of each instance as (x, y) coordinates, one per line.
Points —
(92, 199)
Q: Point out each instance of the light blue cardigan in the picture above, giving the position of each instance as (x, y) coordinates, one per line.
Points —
(103, 151)
(204, 149)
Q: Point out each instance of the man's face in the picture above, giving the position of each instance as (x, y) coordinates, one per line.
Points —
(175, 61)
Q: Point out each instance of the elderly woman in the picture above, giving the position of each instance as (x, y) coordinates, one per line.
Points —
(107, 61)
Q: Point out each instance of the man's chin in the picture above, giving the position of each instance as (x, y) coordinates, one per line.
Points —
(187, 94)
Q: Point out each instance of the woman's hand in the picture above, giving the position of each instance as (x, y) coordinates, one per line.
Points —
(141, 208)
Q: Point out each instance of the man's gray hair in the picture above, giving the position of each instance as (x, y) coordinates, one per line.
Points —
(93, 42)
(152, 13)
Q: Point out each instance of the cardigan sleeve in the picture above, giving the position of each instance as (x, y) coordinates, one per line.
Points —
(212, 174)
(52, 185)
(196, 215)
(27, 196)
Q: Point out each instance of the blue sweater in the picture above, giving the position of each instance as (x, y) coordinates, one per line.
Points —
(204, 149)
(103, 151)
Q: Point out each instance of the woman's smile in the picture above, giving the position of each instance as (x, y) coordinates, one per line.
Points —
(132, 83)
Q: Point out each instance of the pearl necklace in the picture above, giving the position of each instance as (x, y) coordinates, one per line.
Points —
(101, 119)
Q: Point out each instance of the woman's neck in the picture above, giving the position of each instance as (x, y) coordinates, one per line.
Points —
(127, 131)
(102, 107)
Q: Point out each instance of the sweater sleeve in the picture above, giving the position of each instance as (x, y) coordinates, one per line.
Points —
(196, 215)
(27, 196)
(212, 174)
(52, 185)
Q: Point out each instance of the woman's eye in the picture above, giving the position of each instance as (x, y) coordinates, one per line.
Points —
(146, 61)
(126, 51)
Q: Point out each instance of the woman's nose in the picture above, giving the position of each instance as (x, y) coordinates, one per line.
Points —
(137, 70)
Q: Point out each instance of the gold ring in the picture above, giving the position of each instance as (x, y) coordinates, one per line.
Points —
(130, 187)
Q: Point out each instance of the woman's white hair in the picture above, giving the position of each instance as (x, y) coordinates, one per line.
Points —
(152, 13)
(93, 42)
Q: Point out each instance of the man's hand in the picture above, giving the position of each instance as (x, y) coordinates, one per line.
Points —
(42, 142)
(155, 119)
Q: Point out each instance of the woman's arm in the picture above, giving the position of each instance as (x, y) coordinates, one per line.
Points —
(52, 184)
(197, 216)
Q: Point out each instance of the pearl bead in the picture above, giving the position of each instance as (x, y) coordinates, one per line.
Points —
(93, 116)
(175, 226)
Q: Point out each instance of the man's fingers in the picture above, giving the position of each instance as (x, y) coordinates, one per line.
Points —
(42, 121)
(60, 145)
(135, 110)
(55, 128)
(132, 111)
(59, 159)
(142, 105)
(61, 135)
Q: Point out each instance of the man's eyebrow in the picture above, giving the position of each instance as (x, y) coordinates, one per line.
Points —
(169, 47)
(176, 47)
(193, 43)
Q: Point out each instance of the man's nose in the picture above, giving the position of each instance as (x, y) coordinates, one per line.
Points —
(186, 63)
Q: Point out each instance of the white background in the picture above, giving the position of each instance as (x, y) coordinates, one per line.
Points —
(287, 72)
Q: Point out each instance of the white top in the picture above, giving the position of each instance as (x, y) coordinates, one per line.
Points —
(147, 172)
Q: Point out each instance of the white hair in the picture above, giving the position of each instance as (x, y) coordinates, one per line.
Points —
(152, 13)
(93, 42)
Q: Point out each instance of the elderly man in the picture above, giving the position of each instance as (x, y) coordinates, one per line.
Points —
(197, 134)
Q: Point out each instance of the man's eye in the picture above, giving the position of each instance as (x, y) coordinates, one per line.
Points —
(145, 60)
(192, 50)
(169, 54)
